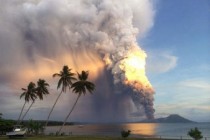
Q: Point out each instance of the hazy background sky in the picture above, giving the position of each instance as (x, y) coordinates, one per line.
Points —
(178, 61)
(178, 67)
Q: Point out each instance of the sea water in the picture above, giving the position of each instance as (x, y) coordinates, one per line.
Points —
(163, 130)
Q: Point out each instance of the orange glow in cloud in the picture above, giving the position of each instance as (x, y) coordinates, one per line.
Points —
(134, 66)
(44, 68)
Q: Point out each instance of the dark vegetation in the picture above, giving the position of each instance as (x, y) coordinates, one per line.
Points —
(195, 134)
(50, 123)
(6, 125)
(67, 80)
(34, 127)
(125, 134)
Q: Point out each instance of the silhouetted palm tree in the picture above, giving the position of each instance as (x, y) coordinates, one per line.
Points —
(80, 87)
(39, 92)
(41, 88)
(28, 94)
(65, 81)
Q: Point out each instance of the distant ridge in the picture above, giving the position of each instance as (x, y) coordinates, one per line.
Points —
(174, 118)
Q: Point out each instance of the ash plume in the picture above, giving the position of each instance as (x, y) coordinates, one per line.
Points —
(38, 37)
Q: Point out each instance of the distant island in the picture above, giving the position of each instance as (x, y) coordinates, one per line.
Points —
(174, 118)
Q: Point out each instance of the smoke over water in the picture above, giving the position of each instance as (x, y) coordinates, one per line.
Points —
(37, 37)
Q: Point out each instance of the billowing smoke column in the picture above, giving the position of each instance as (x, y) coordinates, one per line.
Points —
(98, 35)
(129, 71)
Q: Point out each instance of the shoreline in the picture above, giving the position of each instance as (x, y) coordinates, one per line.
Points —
(139, 130)
(82, 137)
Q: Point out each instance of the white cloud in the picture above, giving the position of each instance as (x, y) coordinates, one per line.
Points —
(161, 62)
(194, 112)
(187, 97)
(195, 83)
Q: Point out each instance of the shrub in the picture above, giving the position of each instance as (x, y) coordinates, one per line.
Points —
(6, 126)
(63, 134)
(51, 134)
(125, 134)
(57, 133)
(195, 134)
(35, 127)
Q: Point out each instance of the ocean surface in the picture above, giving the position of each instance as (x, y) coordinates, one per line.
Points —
(163, 130)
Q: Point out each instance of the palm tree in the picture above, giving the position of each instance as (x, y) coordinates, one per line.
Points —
(41, 88)
(39, 91)
(79, 87)
(28, 94)
(65, 81)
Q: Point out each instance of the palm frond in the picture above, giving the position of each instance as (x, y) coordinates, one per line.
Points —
(66, 78)
(29, 93)
(83, 85)
(23, 89)
(41, 88)
(23, 94)
(59, 83)
(56, 75)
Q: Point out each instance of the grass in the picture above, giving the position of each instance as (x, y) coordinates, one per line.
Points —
(72, 138)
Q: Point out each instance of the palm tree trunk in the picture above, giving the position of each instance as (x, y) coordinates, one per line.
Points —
(52, 109)
(69, 114)
(27, 111)
(18, 121)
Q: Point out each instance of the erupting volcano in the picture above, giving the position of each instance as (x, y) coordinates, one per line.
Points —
(128, 71)
(95, 35)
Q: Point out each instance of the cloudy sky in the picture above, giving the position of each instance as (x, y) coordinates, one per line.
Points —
(178, 67)
(34, 40)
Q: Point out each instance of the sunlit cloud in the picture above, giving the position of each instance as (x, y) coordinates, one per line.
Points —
(188, 98)
(161, 62)
(196, 83)
(191, 111)
(43, 36)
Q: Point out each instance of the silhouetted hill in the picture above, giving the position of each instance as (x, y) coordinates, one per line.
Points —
(174, 118)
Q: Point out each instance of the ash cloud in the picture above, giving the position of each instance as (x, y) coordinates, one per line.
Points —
(37, 37)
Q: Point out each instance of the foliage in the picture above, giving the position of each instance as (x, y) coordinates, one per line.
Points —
(195, 133)
(63, 134)
(6, 126)
(125, 134)
(35, 127)
(82, 85)
(41, 88)
(28, 93)
(31, 93)
(56, 133)
(51, 134)
(66, 78)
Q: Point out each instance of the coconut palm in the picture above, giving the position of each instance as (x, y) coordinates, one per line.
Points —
(28, 94)
(65, 81)
(41, 88)
(39, 92)
(80, 87)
